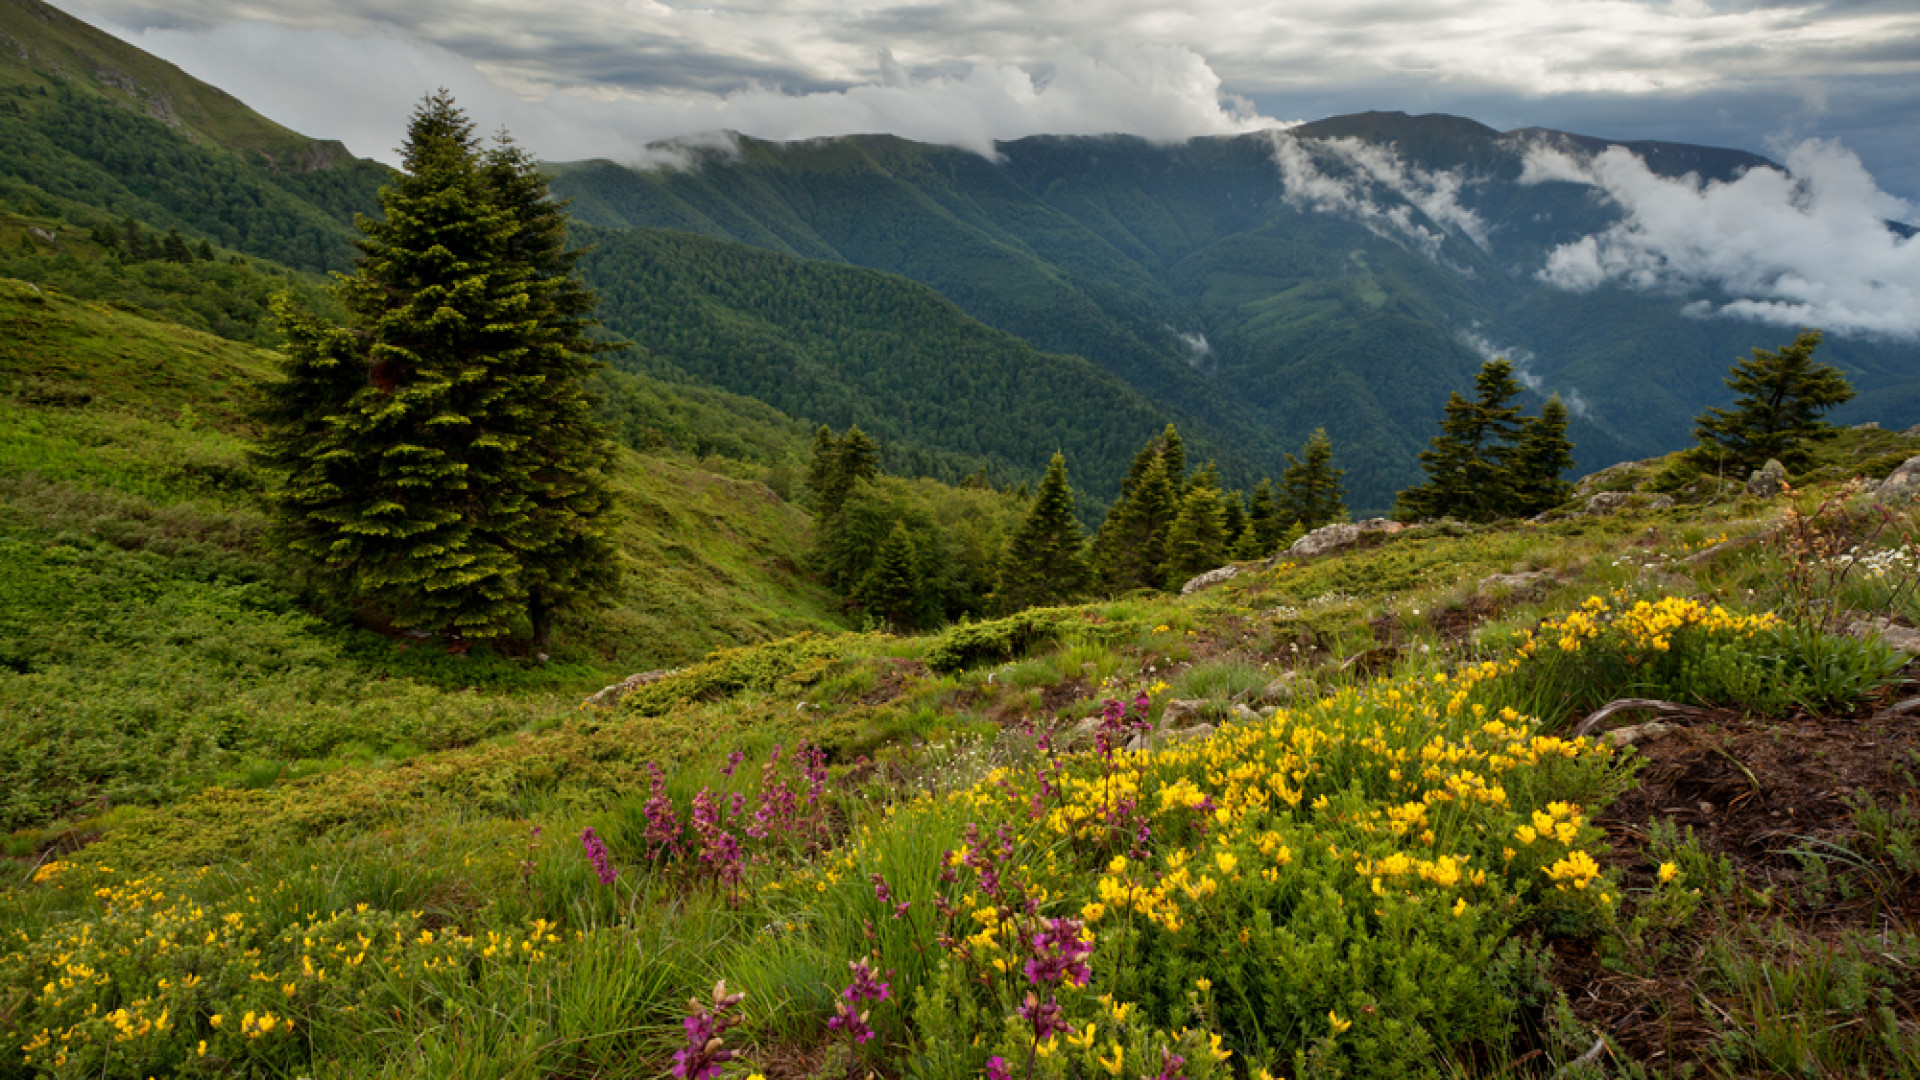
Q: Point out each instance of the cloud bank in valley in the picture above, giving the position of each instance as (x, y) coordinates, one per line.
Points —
(1805, 247)
(1359, 173)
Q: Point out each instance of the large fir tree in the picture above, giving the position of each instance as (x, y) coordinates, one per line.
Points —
(1129, 552)
(440, 463)
(1782, 394)
(891, 588)
(1197, 538)
(1043, 562)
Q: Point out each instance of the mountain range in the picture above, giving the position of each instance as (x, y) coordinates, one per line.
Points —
(1073, 293)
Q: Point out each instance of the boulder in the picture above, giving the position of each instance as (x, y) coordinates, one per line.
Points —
(1902, 487)
(1147, 740)
(1208, 579)
(1904, 638)
(1526, 581)
(1328, 538)
(1182, 712)
(1608, 475)
(1278, 692)
(1243, 714)
(1609, 502)
(1871, 425)
(611, 696)
(1768, 480)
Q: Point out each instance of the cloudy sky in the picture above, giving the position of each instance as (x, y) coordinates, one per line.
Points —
(584, 78)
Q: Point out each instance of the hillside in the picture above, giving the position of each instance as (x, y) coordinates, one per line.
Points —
(97, 130)
(842, 346)
(1357, 834)
(1205, 278)
(150, 632)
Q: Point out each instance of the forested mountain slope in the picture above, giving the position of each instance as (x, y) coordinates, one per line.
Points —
(844, 345)
(1349, 273)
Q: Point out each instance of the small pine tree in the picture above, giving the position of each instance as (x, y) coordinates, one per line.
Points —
(838, 464)
(1540, 459)
(173, 247)
(1043, 563)
(892, 588)
(1310, 488)
(1467, 477)
(135, 240)
(1173, 451)
(1130, 549)
(1197, 539)
(1782, 394)
(1266, 519)
(203, 251)
(1233, 510)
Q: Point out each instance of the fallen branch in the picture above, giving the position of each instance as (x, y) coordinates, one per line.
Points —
(1662, 708)
(1592, 1056)
(1891, 712)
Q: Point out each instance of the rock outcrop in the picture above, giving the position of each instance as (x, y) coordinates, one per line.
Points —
(1328, 538)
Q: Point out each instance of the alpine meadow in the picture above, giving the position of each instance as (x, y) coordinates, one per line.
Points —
(1014, 565)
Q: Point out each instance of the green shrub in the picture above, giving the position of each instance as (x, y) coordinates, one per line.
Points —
(971, 644)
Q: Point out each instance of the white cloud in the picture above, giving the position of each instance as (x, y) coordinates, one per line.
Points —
(360, 86)
(1375, 186)
(1804, 247)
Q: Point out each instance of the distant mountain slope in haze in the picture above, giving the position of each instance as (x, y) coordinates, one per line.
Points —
(1349, 273)
(845, 345)
(90, 122)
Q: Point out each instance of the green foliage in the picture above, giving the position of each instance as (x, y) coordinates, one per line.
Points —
(795, 661)
(1044, 563)
(956, 536)
(1488, 461)
(440, 464)
(1310, 494)
(838, 464)
(971, 644)
(892, 588)
(1130, 550)
(1782, 393)
(1197, 538)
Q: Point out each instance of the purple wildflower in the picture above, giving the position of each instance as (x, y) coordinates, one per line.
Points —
(1046, 1017)
(663, 825)
(597, 855)
(997, 1068)
(1060, 955)
(719, 848)
(1170, 1064)
(733, 762)
(706, 1055)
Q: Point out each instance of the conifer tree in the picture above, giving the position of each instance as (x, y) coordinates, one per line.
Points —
(1197, 539)
(1782, 394)
(1468, 468)
(1540, 459)
(173, 247)
(892, 588)
(839, 463)
(1130, 549)
(1043, 562)
(1267, 521)
(1233, 511)
(440, 464)
(1310, 487)
(1173, 452)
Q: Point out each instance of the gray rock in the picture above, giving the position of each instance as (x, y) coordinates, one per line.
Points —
(1903, 486)
(1149, 740)
(1871, 425)
(1208, 579)
(1904, 638)
(611, 696)
(1243, 714)
(1278, 692)
(1664, 502)
(1768, 480)
(1608, 475)
(1525, 581)
(1609, 502)
(1334, 537)
(1182, 712)
(1912, 432)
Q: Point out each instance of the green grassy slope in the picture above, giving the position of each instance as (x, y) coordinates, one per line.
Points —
(148, 632)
